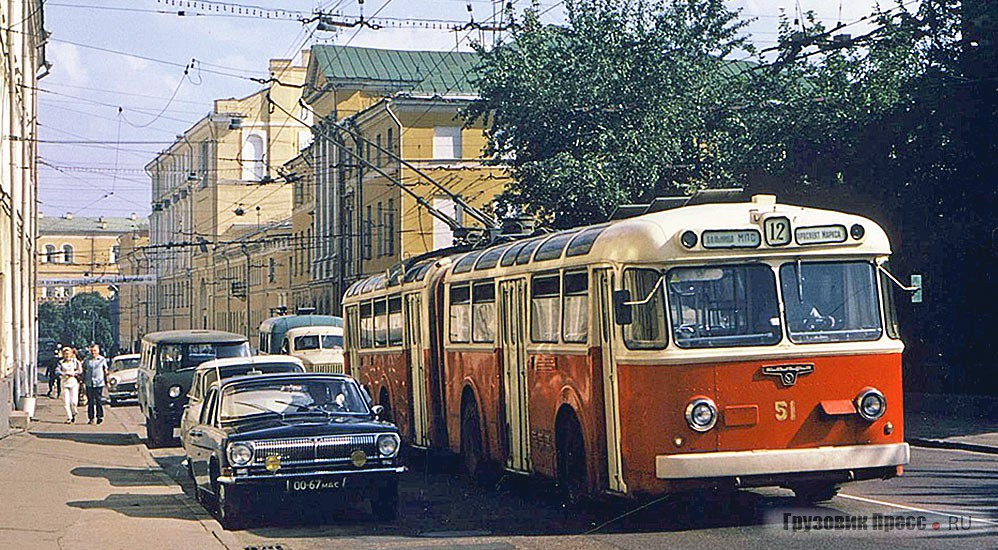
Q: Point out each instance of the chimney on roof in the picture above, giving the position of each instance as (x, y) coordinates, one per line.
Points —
(68, 216)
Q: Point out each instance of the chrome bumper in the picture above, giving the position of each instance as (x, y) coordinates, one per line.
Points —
(780, 461)
(263, 478)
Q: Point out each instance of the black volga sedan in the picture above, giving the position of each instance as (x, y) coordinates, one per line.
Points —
(277, 435)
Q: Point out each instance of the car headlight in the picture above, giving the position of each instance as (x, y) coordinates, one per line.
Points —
(388, 444)
(240, 454)
(701, 414)
(113, 381)
(175, 391)
(871, 404)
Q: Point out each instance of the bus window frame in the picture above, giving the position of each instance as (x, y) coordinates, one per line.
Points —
(586, 294)
(557, 307)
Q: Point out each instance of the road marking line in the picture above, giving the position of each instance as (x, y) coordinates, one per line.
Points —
(914, 509)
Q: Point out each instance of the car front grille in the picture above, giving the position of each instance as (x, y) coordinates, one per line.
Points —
(128, 386)
(331, 368)
(299, 450)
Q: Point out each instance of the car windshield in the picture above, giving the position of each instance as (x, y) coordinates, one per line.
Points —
(830, 301)
(290, 397)
(308, 342)
(121, 364)
(723, 306)
(332, 341)
(174, 357)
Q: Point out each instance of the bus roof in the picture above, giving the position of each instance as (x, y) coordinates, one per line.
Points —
(194, 337)
(285, 322)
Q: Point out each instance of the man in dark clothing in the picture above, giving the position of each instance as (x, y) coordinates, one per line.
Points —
(51, 372)
(95, 377)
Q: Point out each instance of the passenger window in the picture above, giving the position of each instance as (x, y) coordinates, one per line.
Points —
(206, 411)
(483, 311)
(583, 242)
(528, 249)
(648, 328)
(509, 258)
(465, 264)
(366, 325)
(490, 258)
(545, 315)
(395, 321)
(575, 314)
(380, 323)
(460, 313)
(553, 247)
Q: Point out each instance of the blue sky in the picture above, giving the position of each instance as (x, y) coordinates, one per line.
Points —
(119, 105)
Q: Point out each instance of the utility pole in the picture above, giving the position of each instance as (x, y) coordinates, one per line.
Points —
(245, 251)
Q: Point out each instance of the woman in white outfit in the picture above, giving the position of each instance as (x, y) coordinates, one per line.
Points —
(69, 368)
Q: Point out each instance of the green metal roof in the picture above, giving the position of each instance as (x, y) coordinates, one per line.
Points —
(76, 224)
(436, 73)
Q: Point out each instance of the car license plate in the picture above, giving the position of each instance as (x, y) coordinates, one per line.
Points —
(315, 484)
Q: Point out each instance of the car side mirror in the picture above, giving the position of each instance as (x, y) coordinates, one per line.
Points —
(621, 308)
(378, 410)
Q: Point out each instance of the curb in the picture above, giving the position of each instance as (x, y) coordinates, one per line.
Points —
(952, 445)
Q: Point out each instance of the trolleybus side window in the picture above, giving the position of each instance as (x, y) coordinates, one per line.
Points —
(890, 311)
(583, 242)
(553, 247)
(648, 328)
(723, 306)
(460, 313)
(509, 258)
(545, 313)
(366, 325)
(490, 258)
(575, 307)
(483, 311)
(465, 264)
(830, 301)
(395, 320)
(528, 248)
(380, 323)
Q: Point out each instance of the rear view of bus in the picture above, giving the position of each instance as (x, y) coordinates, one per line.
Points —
(759, 349)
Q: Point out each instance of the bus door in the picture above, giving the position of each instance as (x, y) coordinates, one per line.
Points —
(417, 369)
(512, 338)
(605, 329)
(351, 331)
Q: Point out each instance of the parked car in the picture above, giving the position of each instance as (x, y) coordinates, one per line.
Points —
(273, 331)
(165, 370)
(211, 371)
(275, 436)
(122, 383)
(320, 347)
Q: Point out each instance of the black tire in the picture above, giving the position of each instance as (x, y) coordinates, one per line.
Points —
(385, 505)
(156, 433)
(815, 492)
(472, 459)
(231, 510)
(572, 470)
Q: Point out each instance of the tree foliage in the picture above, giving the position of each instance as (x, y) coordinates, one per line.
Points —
(85, 318)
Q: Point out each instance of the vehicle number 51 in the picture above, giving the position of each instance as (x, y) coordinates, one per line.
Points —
(786, 410)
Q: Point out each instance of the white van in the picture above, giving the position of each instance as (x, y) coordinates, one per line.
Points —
(319, 347)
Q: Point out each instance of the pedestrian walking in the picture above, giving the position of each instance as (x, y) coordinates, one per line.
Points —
(69, 368)
(52, 374)
(95, 377)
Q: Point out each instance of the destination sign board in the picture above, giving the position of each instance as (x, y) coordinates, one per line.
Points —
(821, 234)
(733, 238)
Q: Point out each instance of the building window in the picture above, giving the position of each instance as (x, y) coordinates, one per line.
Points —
(115, 251)
(367, 234)
(443, 235)
(390, 228)
(271, 270)
(254, 168)
(49, 255)
(390, 145)
(67, 254)
(377, 154)
(381, 229)
(447, 142)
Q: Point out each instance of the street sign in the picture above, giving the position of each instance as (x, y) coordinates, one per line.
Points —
(101, 280)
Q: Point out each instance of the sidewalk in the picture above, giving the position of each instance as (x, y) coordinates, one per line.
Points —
(968, 423)
(61, 488)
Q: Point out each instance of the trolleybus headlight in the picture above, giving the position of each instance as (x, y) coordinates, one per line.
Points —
(388, 444)
(857, 231)
(175, 391)
(871, 404)
(701, 414)
(240, 454)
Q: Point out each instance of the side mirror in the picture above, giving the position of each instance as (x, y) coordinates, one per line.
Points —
(378, 410)
(916, 288)
(621, 309)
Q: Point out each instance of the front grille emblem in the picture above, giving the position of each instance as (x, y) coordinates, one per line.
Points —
(788, 373)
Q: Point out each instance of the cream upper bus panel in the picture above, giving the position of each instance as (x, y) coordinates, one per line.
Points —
(725, 231)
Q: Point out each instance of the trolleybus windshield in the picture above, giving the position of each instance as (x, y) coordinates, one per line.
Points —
(830, 301)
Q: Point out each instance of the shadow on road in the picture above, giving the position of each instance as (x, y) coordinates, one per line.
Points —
(120, 477)
(141, 506)
(94, 438)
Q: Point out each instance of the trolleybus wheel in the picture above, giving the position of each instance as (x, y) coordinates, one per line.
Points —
(471, 442)
(571, 458)
(816, 492)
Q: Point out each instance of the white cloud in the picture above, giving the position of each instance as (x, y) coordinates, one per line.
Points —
(66, 60)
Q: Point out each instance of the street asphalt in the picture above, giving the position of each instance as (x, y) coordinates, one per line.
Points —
(82, 486)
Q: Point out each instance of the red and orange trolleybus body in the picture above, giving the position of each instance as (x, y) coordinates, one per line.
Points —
(749, 344)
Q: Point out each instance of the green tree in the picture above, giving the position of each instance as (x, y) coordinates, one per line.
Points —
(616, 106)
(85, 318)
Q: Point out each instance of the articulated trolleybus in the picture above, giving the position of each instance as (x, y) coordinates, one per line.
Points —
(716, 345)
